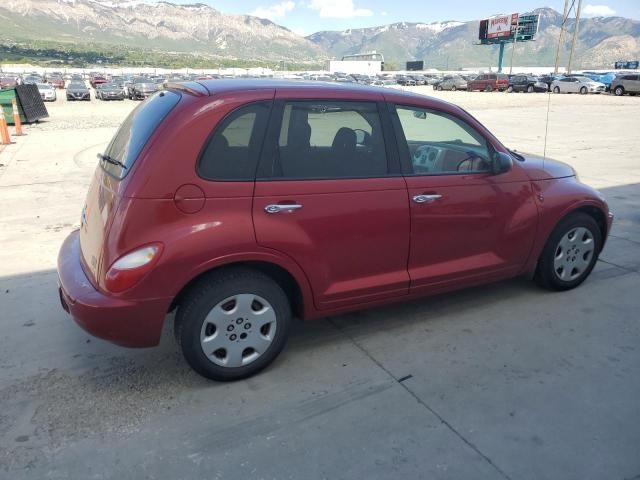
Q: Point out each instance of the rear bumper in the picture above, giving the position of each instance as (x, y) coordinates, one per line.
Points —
(130, 323)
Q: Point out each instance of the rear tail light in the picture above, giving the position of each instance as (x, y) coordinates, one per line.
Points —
(130, 268)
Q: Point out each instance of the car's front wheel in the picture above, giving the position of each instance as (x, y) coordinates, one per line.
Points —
(619, 91)
(556, 89)
(510, 89)
(530, 89)
(570, 253)
(233, 323)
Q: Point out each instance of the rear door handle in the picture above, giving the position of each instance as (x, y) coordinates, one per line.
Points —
(278, 208)
(426, 198)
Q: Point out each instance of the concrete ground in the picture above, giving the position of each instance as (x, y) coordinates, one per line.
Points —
(506, 381)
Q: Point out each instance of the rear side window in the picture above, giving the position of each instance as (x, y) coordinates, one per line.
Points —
(136, 130)
(231, 153)
(328, 140)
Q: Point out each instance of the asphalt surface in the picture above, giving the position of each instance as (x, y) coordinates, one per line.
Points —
(506, 381)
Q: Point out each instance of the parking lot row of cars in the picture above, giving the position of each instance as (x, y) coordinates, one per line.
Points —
(618, 84)
(119, 87)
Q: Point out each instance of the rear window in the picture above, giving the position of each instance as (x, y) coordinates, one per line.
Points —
(136, 130)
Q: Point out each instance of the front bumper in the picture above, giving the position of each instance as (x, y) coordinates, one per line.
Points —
(130, 323)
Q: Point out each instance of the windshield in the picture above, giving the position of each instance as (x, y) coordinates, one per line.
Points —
(136, 130)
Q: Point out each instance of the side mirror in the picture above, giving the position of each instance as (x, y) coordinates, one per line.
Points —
(502, 163)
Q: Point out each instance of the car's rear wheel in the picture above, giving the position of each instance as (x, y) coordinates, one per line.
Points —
(556, 89)
(530, 89)
(619, 91)
(510, 89)
(439, 88)
(453, 88)
(488, 88)
(570, 253)
(233, 323)
(583, 90)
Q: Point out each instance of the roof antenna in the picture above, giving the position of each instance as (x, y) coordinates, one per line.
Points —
(565, 17)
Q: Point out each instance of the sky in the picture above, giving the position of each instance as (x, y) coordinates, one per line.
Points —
(308, 16)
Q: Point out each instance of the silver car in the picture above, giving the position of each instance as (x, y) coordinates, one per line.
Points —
(452, 83)
(47, 92)
(581, 85)
(626, 83)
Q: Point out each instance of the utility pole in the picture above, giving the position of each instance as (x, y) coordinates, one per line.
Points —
(564, 20)
(575, 36)
(513, 48)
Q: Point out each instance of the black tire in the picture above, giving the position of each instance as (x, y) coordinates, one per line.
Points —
(583, 91)
(546, 275)
(210, 291)
(439, 88)
(488, 88)
(510, 89)
(619, 91)
(556, 89)
(453, 88)
(530, 89)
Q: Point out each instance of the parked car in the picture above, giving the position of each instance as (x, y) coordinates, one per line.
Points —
(97, 80)
(47, 92)
(526, 83)
(77, 91)
(452, 83)
(32, 79)
(405, 81)
(55, 81)
(548, 80)
(488, 82)
(109, 91)
(577, 84)
(174, 219)
(626, 83)
(8, 81)
(142, 88)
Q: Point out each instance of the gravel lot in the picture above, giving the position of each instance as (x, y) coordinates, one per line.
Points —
(501, 382)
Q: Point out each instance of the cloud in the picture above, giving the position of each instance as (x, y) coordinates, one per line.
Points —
(338, 9)
(274, 11)
(598, 11)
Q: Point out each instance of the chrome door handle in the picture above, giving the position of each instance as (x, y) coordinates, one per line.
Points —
(277, 208)
(426, 198)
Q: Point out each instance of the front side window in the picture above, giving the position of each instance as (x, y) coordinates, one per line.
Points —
(231, 153)
(329, 140)
(438, 143)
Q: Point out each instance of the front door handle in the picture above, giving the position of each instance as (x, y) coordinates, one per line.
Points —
(426, 198)
(279, 208)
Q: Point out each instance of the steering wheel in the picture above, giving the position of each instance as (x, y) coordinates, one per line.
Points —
(468, 163)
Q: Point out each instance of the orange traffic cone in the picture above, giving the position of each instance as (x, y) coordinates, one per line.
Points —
(16, 118)
(4, 130)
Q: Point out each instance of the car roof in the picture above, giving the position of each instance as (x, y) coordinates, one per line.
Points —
(226, 86)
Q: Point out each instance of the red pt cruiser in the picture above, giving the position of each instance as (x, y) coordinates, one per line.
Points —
(241, 204)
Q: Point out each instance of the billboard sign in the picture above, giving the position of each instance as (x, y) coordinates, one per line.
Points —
(501, 26)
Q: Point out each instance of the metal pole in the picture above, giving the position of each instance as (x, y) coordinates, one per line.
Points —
(564, 19)
(500, 56)
(513, 48)
(575, 36)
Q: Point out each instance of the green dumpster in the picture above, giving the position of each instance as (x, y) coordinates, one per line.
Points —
(6, 96)
(30, 104)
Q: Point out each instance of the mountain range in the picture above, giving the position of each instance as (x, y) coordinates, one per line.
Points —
(202, 30)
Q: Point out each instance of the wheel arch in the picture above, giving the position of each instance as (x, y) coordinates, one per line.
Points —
(592, 209)
(295, 285)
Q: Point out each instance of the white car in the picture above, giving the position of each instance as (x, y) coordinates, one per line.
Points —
(47, 92)
(581, 85)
